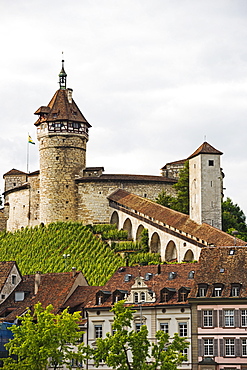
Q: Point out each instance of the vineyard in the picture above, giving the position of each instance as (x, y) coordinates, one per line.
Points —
(59, 246)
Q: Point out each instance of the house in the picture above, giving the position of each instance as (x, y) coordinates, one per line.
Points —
(159, 295)
(219, 310)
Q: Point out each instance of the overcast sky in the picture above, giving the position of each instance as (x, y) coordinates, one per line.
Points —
(154, 78)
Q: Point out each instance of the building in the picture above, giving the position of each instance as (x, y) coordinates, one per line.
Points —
(219, 310)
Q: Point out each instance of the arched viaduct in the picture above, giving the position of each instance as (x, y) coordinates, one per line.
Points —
(171, 245)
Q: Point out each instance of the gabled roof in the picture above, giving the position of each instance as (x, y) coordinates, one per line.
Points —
(177, 220)
(60, 109)
(205, 148)
(14, 172)
(159, 280)
(5, 269)
(54, 289)
(181, 161)
(228, 265)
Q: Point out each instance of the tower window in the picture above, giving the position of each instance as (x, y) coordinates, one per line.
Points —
(57, 158)
(211, 162)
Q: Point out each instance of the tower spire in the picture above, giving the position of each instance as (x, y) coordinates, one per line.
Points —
(62, 77)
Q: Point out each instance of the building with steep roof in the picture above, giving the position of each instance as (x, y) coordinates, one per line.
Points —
(219, 309)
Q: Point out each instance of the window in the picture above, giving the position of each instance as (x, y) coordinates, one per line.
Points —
(185, 352)
(244, 347)
(143, 298)
(243, 317)
(183, 329)
(136, 297)
(183, 294)
(76, 363)
(217, 291)
(208, 347)
(3, 296)
(138, 326)
(98, 331)
(207, 318)
(235, 291)
(229, 347)
(229, 318)
(202, 290)
(164, 326)
(13, 279)
(211, 162)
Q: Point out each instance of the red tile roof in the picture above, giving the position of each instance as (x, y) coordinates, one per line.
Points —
(218, 265)
(59, 109)
(205, 148)
(177, 220)
(54, 289)
(155, 284)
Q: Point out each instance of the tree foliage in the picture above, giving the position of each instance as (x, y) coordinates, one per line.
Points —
(233, 219)
(127, 349)
(179, 203)
(43, 339)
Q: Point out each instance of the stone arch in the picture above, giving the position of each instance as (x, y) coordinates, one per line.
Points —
(155, 243)
(115, 218)
(128, 227)
(171, 251)
(138, 233)
(189, 256)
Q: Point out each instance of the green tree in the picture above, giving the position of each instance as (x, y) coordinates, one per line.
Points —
(145, 240)
(130, 350)
(41, 340)
(179, 203)
(233, 218)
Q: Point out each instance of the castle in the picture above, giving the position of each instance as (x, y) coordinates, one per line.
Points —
(64, 189)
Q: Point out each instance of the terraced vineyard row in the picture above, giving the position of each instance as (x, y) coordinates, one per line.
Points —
(43, 249)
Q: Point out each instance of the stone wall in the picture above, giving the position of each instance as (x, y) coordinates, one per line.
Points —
(93, 206)
(3, 220)
(62, 159)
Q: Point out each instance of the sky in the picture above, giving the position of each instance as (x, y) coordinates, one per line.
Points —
(154, 78)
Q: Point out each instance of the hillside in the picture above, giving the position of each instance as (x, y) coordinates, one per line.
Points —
(42, 249)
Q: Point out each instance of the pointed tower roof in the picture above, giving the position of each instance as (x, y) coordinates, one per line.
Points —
(61, 107)
(205, 148)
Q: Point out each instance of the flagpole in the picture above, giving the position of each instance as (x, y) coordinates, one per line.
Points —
(27, 152)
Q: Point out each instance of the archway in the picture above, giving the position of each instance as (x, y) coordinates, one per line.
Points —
(189, 256)
(139, 232)
(128, 227)
(115, 219)
(171, 251)
(155, 243)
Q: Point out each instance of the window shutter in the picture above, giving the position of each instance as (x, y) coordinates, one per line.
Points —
(220, 318)
(199, 318)
(222, 347)
(215, 347)
(237, 318)
(215, 316)
(237, 348)
(200, 348)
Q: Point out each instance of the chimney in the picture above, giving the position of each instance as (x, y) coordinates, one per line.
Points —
(73, 272)
(37, 280)
(69, 95)
(158, 269)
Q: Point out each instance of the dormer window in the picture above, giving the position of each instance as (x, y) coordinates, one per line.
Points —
(167, 294)
(102, 296)
(191, 274)
(148, 276)
(172, 275)
(183, 294)
(119, 295)
(217, 292)
(127, 277)
(202, 290)
(235, 290)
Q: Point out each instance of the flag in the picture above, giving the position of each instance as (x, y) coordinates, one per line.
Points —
(30, 140)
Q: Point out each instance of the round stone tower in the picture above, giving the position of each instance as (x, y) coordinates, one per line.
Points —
(62, 131)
